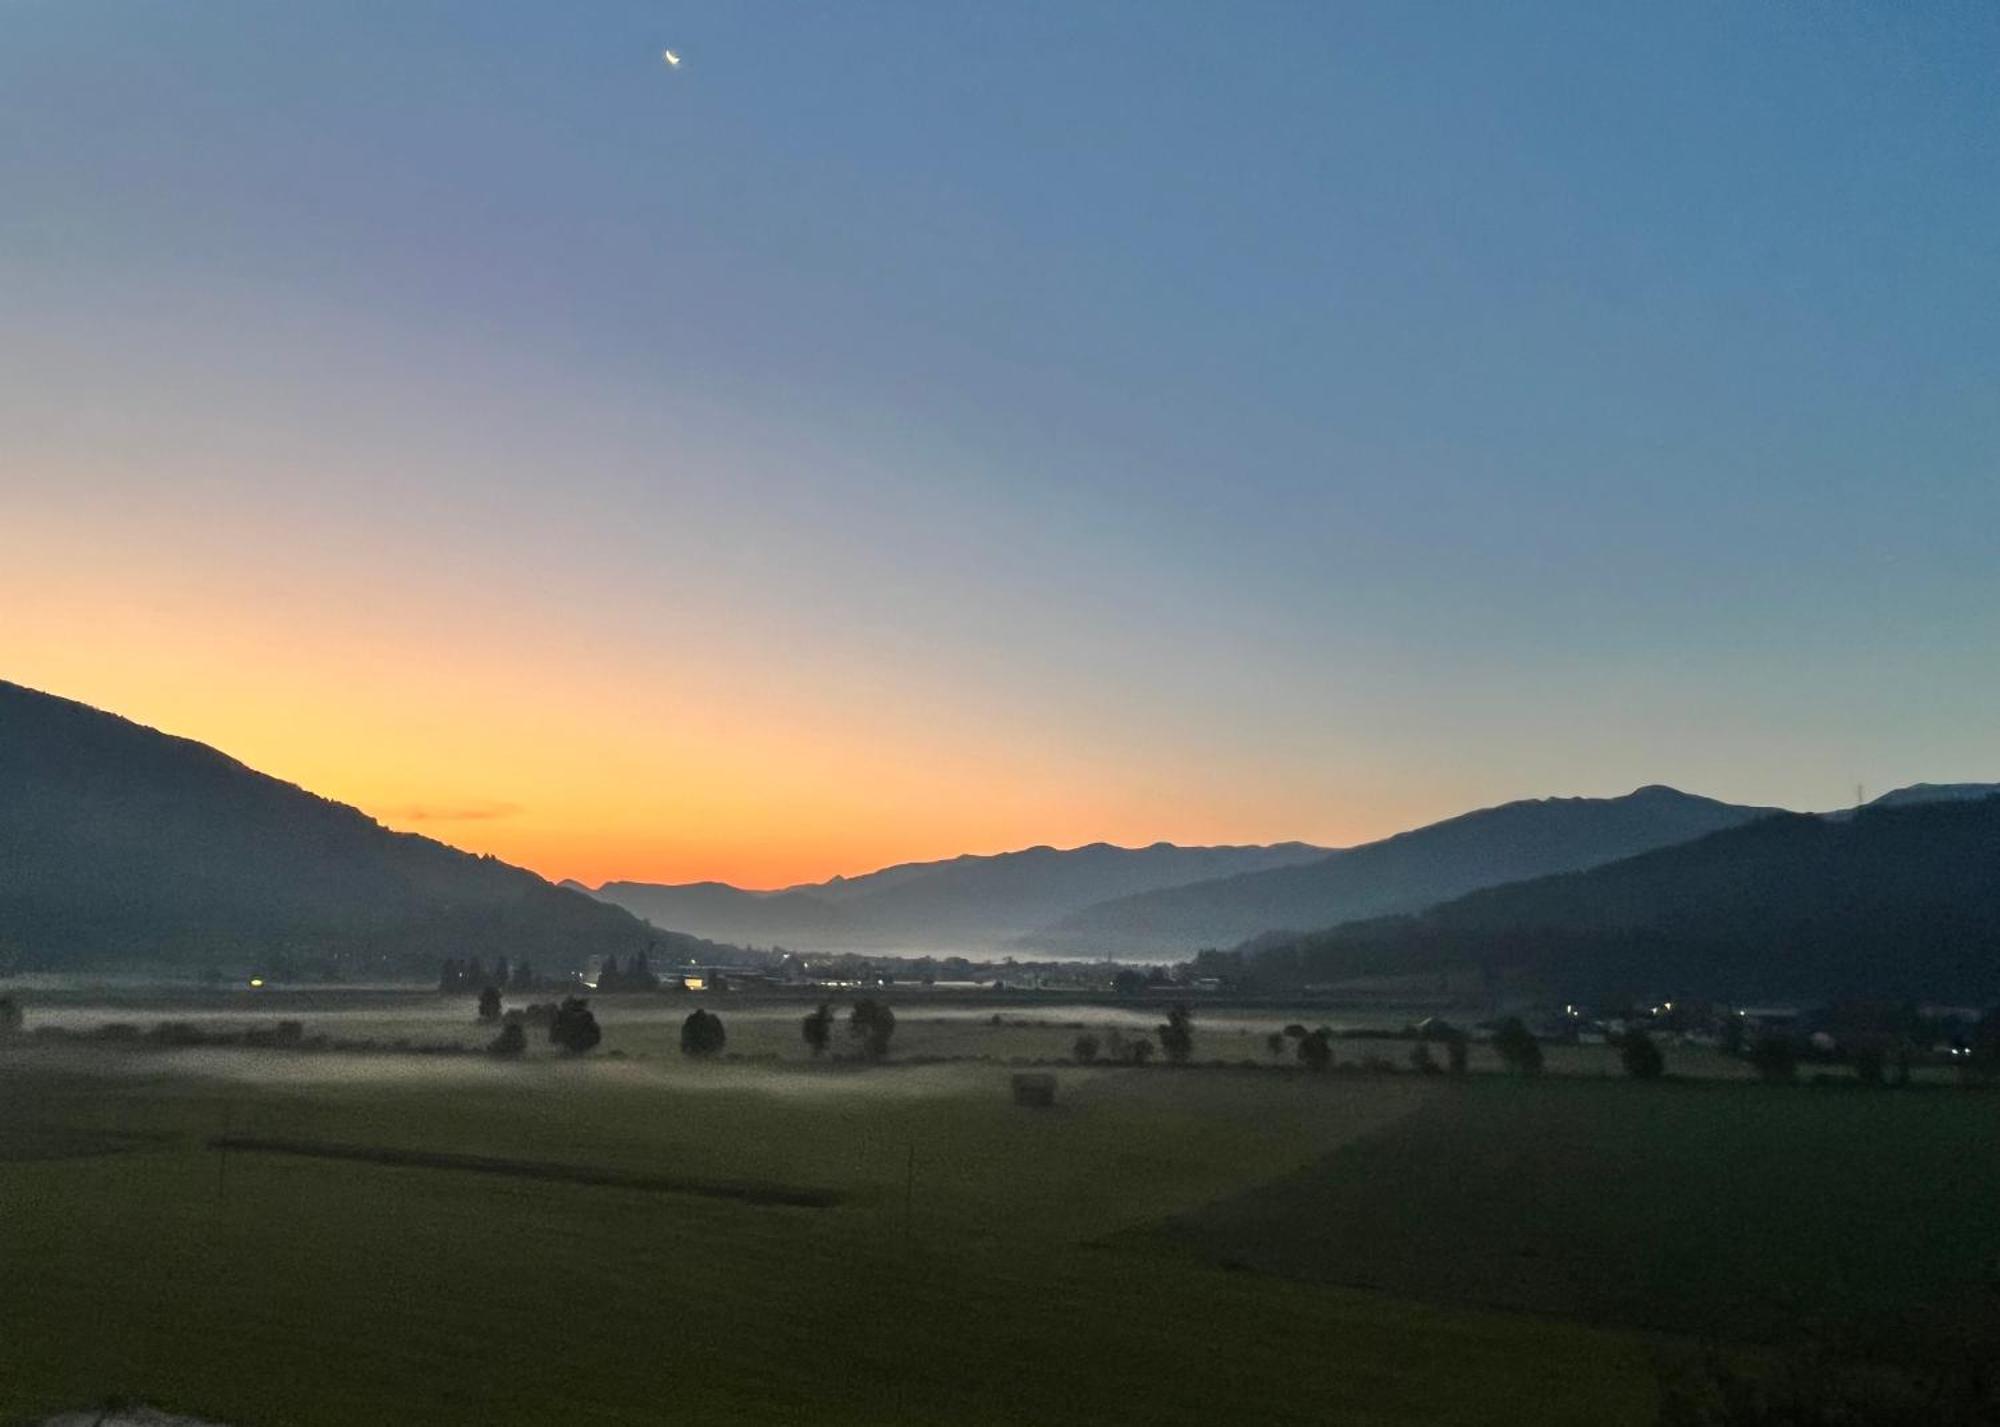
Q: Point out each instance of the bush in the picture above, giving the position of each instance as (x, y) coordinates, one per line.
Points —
(1422, 1061)
(10, 1015)
(817, 1028)
(1517, 1047)
(1084, 1051)
(574, 1028)
(872, 1023)
(489, 1004)
(1641, 1056)
(511, 1042)
(1177, 1035)
(702, 1034)
(1316, 1050)
(1776, 1058)
(1456, 1050)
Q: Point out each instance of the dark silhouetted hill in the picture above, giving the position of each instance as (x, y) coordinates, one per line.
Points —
(1403, 873)
(123, 845)
(971, 904)
(1898, 900)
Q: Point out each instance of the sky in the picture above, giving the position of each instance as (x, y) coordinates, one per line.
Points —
(911, 429)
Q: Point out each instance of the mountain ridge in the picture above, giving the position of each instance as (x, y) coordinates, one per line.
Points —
(1404, 872)
(121, 843)
(974, 902)
(1897, 900)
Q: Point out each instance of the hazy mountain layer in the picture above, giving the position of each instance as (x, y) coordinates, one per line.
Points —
(974, 904)
(1403, 873)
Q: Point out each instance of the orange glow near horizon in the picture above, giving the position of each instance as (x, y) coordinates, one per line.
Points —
(523, 740)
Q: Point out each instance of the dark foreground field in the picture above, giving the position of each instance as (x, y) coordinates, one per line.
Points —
(968, 1261)
(960, 1278)
(1862, 1220)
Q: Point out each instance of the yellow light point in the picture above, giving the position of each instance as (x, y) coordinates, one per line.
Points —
(256, 982)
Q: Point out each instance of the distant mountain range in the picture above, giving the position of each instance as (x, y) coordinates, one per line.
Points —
(1404, 873)
(972, 905)
(123, 845)
(1900, 899)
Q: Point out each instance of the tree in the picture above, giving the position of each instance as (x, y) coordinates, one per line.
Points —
(1177, 1035)
(489, 1004)
(702, 1034)
(451, 975)
(10, 1015)
(1141, 1051)
(609, 977)
(1085, 1048)
(574, 1027)
(817, 1029)
(1129, 982)
(1517, 1047)
(872, 1023)
(501, 973)
(510, 1043)
(1870, 1064)
(1274, 1043)
(1775, 1057)
(1457, 1048)
(1423, 1061)
(1316, 1050)
(524, 976)
(639, 975)
(1641, 1055)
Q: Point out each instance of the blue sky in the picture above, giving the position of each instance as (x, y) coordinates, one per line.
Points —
(1206, 422)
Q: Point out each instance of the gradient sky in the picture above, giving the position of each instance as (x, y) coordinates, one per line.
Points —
(921, 428)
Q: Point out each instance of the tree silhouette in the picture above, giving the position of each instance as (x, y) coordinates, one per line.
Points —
(1141, 1051)
(1456, 1049)
(1177, 1035)
(702, 1034)
(872, 1023)
(1423, 1061)
(1085, 1048)
(511, 1042)
(1775, 1057)
(10, 1015)
(609, 977)
(1640, 1055)
(1275, 1044)
(574, 1028)
(489, 1004)
(1517, 1047)
(817, 1028)
(639, 975)
(1316, 1049)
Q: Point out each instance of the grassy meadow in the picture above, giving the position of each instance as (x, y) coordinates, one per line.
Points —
(982, 1263)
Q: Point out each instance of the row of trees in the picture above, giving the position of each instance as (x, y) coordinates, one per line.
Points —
(573, 1027)
(457, 976)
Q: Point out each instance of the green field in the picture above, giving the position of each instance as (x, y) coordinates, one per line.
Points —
(1734, 1211)
(982, 1263)
(965, 1277)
